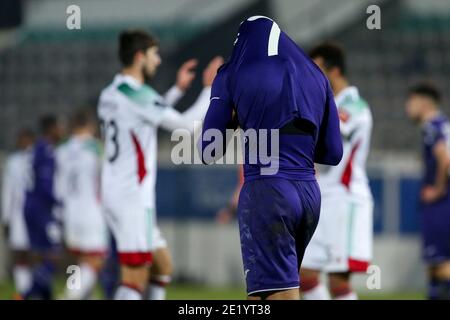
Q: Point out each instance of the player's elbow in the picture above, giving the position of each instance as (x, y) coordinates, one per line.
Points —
(330, 157)
(336, 156)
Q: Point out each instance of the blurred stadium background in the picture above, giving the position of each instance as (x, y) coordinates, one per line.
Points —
(44, 67)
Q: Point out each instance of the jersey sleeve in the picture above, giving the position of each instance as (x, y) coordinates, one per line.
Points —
(433, 134)
(218, 117)
(352, 117)
(44, 168)
(329, 144)
(173, 95)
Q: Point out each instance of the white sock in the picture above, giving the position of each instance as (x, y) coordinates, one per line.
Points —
(88, 279)
(157, 287)
(125, 292)
(319, 292)
(22, 277)
(349, 296)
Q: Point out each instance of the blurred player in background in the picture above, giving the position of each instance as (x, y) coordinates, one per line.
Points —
(342, 243)
(43, 228)
(78, 186)
(130, 113)
(13, 196)
(422, 107)
(269, 83)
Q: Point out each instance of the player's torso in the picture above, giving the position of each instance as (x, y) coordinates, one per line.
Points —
(350, 177)
(432, 132)
(41, 160)
(129, 163)
(79, 173)
(19, 165)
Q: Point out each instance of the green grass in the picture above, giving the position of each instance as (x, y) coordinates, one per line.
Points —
(198, 292)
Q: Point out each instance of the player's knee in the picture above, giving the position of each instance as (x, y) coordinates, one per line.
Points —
(95, 262)
(309, 279)
(340, 284)
(136, 275)
(21, 257)
(442, 270)
(162, 264)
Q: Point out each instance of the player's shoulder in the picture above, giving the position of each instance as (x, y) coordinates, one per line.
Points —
(352, 101)
(133, 92)
(12, 160)
(62, 149)
(143, 95)
(434, 129)
(93, 146)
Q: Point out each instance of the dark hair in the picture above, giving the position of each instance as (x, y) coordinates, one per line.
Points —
(133, 41)
(427, 90)
(332, 54)
(47, 123)
(81, 119)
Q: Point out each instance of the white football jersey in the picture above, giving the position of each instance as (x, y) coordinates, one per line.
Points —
(130, 114)
(356, 129)
(16, 177)
(78, 176)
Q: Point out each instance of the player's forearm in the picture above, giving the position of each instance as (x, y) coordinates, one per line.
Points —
(442, 157)
(173, 95)
(174, 120)
(442, 177)
(329, 147)
(198, 110)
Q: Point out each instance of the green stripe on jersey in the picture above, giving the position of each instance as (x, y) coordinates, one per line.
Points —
(354, 105)
(94, 146)
(143, 96)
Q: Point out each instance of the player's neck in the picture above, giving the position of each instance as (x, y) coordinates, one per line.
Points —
(339, 85)
(135, 73)
(82, 134)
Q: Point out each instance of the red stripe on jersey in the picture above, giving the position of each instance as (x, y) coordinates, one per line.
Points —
(142, 171)
(135, 258)
(347, 175)
(357, 265)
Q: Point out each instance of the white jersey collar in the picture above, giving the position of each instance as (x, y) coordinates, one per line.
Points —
(120, 77)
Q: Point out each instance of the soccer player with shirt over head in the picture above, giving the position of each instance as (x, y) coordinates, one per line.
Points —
(342, 243)
(269, 83)
(15, 178)
(78, 187)
(130, 113)
(422, 107)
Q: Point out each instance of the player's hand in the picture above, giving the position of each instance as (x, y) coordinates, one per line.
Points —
(224, 216)
(186, 74)
(211, 70)
(431, 194)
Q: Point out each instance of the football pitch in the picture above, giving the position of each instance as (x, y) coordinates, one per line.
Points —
(198, 292)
